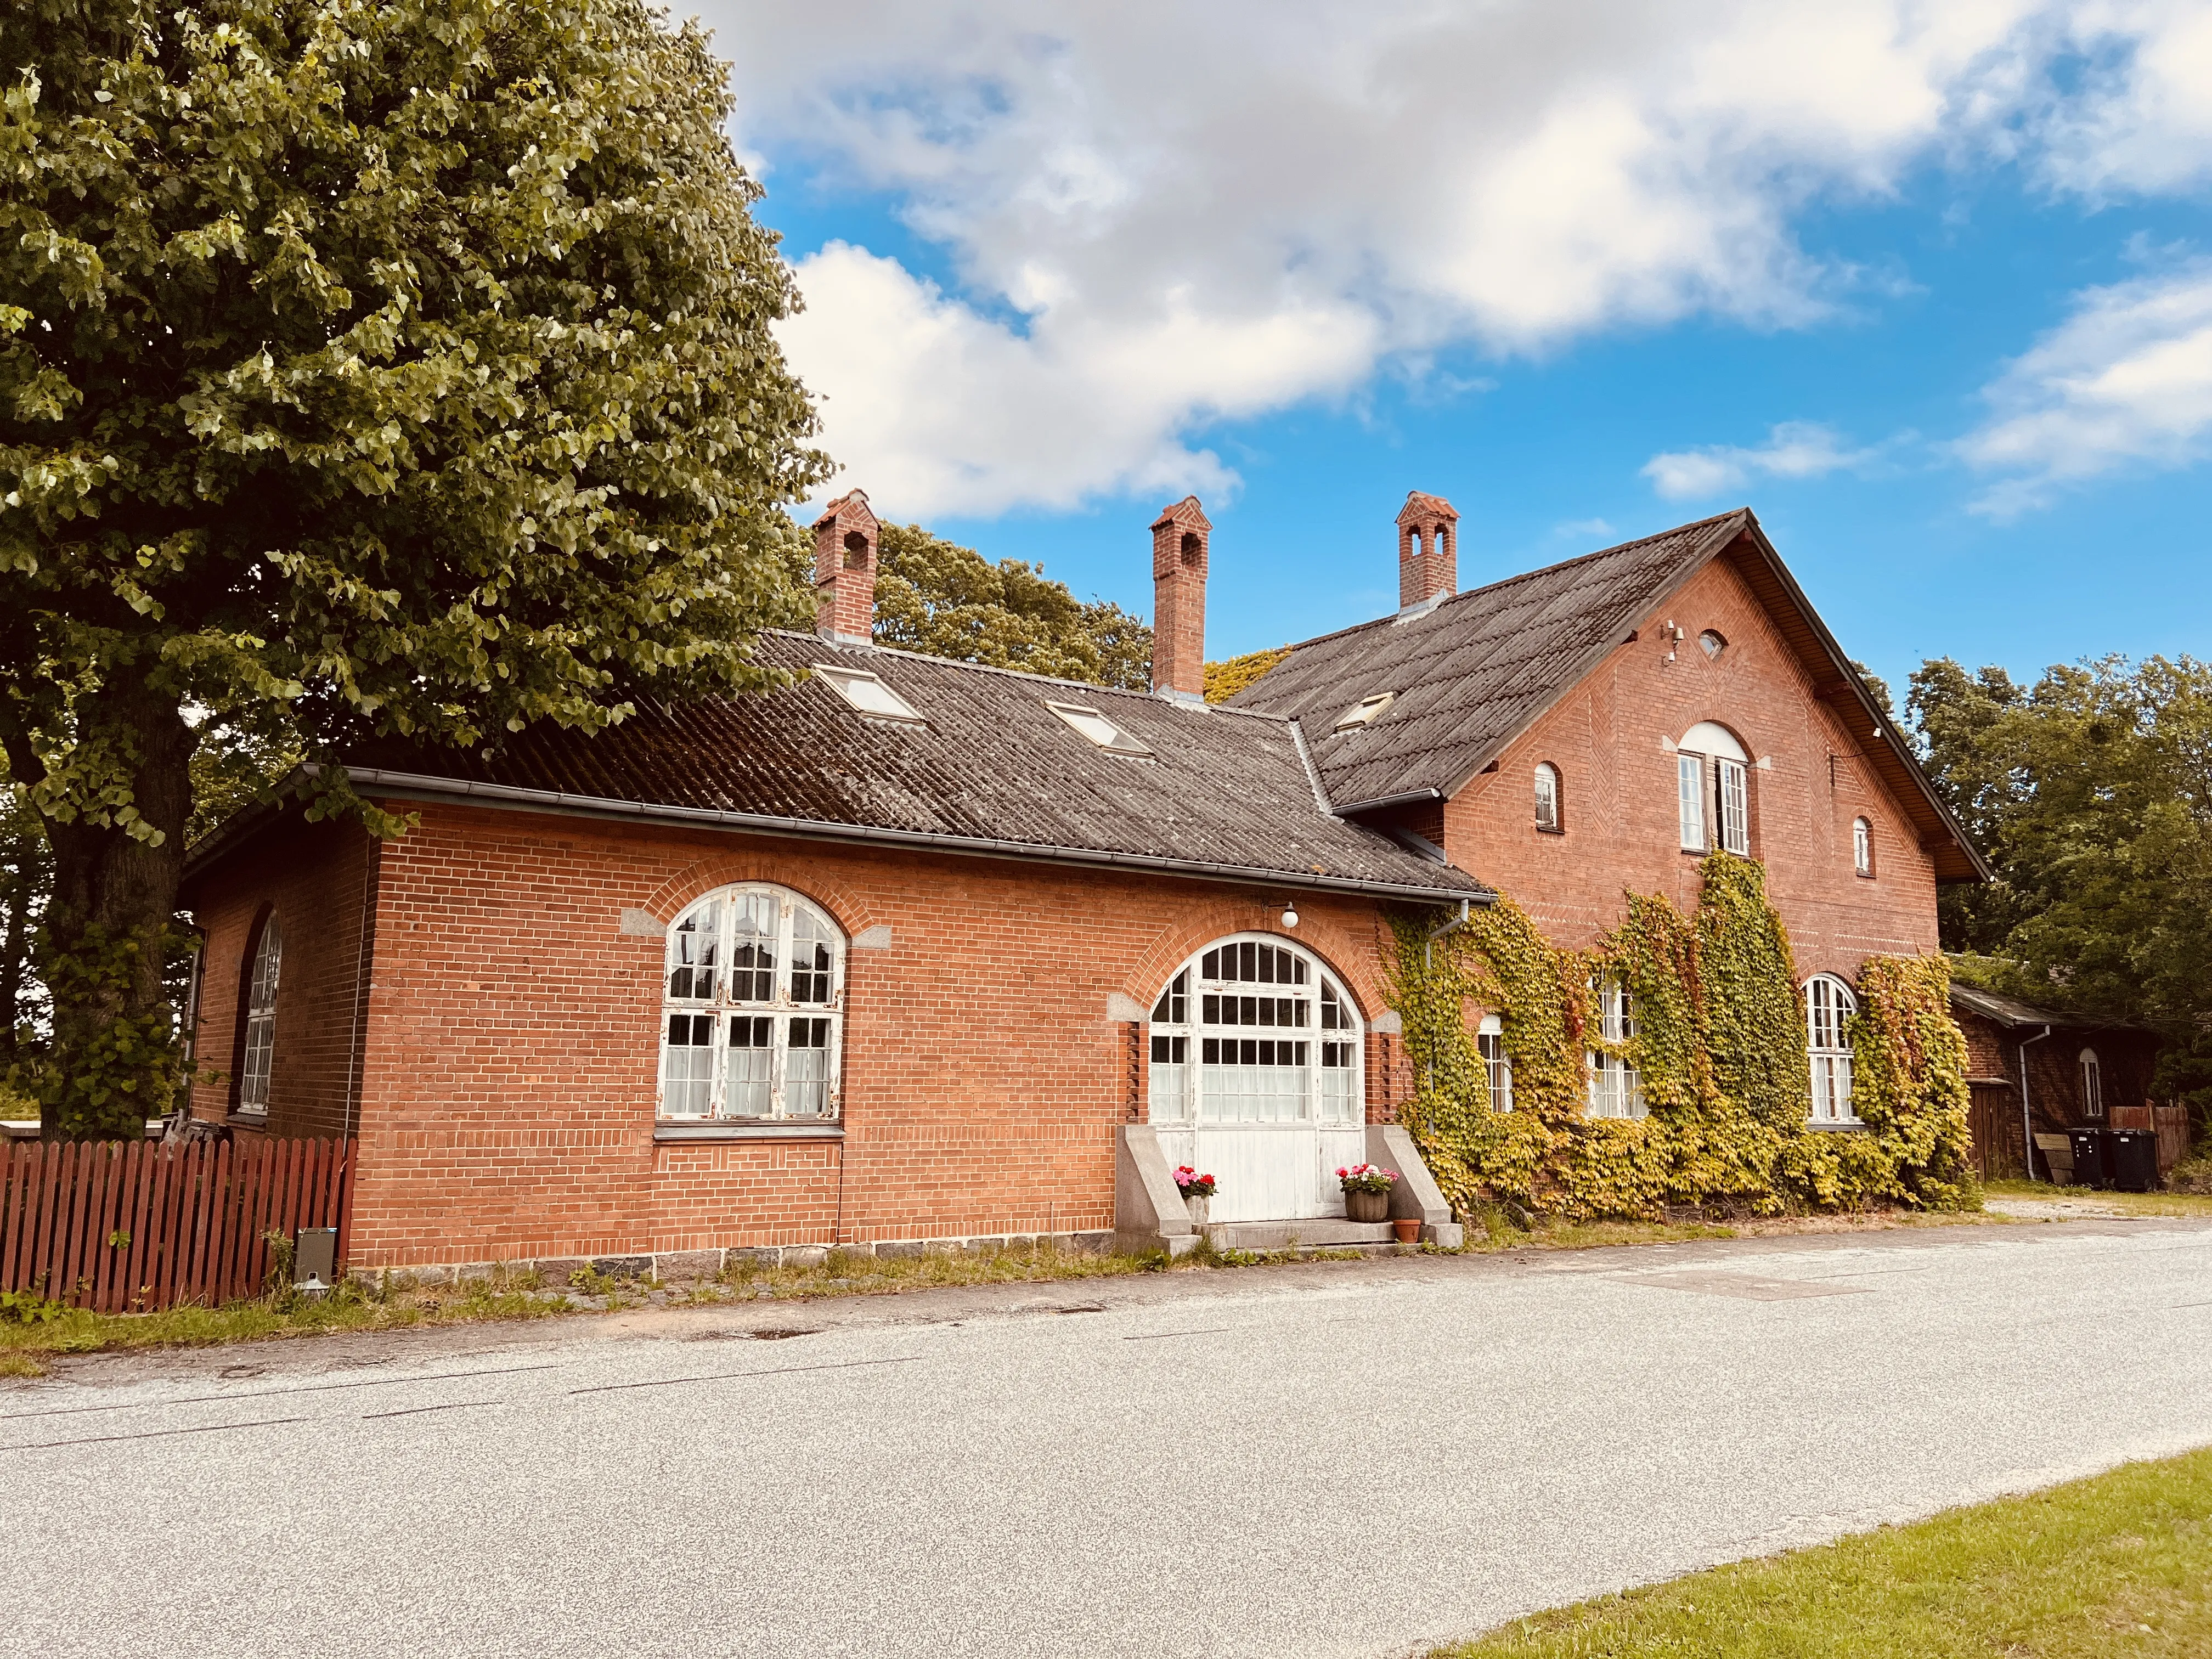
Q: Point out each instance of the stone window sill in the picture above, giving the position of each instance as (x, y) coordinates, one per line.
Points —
(669, 1132)
(1853, 1128)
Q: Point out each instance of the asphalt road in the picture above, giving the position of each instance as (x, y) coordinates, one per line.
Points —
(1304, 1461)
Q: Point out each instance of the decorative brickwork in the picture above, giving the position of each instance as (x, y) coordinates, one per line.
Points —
(1179, 544)
(1428, 550)
(1609, 737)
(844, 545)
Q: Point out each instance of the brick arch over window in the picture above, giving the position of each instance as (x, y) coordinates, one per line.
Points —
(1354, 954)
(846, 905)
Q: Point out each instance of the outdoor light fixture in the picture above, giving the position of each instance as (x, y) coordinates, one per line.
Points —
(1290, 915)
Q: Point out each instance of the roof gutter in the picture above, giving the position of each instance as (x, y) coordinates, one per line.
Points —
(418, 786)
(1407, 798)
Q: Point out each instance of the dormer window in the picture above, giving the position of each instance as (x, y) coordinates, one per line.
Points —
(867, 693)
(1099, 729)
(1366, 711)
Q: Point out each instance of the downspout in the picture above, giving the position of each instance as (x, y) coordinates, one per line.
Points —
(2026, 1122)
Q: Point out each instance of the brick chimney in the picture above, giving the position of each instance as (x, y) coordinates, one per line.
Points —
(1179, 601)
(845, 569)
(1428, 550)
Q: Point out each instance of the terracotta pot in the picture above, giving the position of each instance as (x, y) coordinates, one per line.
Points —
(1197, 1208)
(1407, 1227)
(1367, 1207)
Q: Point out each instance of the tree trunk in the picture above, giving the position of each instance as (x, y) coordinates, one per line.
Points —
(114, 1059)
(13, 949)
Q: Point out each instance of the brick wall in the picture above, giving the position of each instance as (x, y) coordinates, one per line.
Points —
(319, 882)
(1618, 794)
(512, 1029)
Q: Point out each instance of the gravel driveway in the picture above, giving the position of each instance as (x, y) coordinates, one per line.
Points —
(1297, 1462)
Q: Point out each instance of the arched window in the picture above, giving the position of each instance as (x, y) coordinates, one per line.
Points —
(1255, 1030)
(1712, 641)
(1829, 1006)
(1496, 1064)
(2092, 1085)
(1615, 1091)
(1547, 797)
(1863, 846)
(753, 1017)
(1712, 788)
(260, 1048)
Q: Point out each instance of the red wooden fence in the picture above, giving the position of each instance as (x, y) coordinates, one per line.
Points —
(127, 1226)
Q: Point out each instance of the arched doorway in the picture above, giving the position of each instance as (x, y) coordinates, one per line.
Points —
(1258, 1077)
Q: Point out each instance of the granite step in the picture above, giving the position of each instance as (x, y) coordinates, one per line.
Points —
(1320, 1232)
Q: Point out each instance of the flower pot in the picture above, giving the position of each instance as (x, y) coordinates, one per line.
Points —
(1407, 1227)
(1367, 1207)
(1197, 1208)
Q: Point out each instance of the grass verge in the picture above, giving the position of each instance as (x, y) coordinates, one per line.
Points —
(398, 1305)
(2118, 1564)
(2181, 1204)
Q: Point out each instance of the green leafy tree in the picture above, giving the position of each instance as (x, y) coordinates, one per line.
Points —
(2091, 792)
(366, 367)
(945, 601)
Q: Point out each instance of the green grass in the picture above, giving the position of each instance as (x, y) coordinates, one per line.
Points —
(2117, 1564)
(2126, 1203)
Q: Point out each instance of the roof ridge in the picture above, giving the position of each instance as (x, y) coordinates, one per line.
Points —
(1526, 576)
(1090, 686)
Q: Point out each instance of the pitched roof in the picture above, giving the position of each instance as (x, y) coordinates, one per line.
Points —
(990, 768)
(1473, 672)
(2012, 1013)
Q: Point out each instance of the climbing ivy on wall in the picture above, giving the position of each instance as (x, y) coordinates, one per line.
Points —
(1718, 1042)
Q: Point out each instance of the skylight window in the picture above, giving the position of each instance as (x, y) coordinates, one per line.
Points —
(867, 693)
(1366, 711)
(1096, 727)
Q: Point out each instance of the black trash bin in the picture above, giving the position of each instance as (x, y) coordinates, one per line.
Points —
(2090, 1168)
(2131, 1159)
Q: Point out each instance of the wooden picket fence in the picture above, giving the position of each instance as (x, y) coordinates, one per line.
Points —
(131, 1226)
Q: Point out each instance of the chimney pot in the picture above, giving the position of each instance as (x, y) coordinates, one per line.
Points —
(1428, 550)
(845, 546)
(1179, 543)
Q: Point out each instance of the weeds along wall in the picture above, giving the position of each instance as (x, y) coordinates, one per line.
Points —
(1717, 1042)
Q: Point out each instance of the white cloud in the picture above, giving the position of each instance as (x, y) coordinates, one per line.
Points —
(1793, 449)
(1224, 210)
(2125, 381)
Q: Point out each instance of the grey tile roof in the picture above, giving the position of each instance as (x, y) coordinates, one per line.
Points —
(1470, 672)
(991, 766)
(2011, 1012)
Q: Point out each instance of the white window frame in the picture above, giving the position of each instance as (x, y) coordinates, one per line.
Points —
(793, 1077)
(1830, 1005)
(1548, 799)
(1322, 1083)
(259, 1059)
(1615, 1089)
(1496, 1064)
(866, 693)
(1099, 728)
(1732, 799)
(1690, 799)
(1863, 845)
(2092, 1083)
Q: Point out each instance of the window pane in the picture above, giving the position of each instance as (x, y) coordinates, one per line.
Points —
(687, 1066)
(811, 946)
(694, 955)
(807, 1074)
(1690, 790)
(752, 947)
(748, 1086)
(1735, 808)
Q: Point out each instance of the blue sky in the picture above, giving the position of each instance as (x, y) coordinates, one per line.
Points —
(1934, 299)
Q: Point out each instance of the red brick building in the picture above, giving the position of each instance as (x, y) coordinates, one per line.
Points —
(915, 950)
